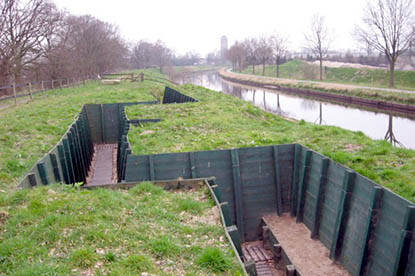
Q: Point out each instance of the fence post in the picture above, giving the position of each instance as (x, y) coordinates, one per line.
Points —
(30, 90)
(60, 84)
(43, 87)
(52, 83)
(14, 93)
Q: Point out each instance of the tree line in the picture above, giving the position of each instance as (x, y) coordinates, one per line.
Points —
(388, 27)
(40, 42)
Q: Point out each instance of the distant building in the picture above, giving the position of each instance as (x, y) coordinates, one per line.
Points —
(223, 46)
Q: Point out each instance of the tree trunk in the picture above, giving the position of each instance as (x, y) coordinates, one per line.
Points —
(278, 67)
(253, 68)
(391, 73)
(321, 67)
(263, 68)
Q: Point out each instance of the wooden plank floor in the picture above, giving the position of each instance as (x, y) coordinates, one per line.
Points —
(103, 165)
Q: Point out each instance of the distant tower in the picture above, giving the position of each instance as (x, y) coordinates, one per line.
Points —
(223, 46)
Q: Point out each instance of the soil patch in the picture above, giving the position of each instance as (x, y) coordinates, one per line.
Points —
(309, 256)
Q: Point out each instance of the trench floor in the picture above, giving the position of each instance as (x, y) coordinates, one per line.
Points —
(309, 256)
(263, 258)
(103, 165)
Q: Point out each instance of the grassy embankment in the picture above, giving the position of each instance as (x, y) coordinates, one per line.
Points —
(337, 80)
(222, 121)
(59, 230)
(71, 231)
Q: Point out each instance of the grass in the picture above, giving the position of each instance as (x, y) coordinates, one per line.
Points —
(222, 121)
(71, 231)
(59, 230)
(297, 69)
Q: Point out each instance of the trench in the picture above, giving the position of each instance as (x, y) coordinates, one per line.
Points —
(397, 128)
(286, 209)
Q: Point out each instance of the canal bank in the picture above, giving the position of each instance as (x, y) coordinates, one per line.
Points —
(390, 99)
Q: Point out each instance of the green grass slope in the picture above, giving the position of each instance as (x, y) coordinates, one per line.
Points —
(60, 230)
(297, 69)
(221, 121)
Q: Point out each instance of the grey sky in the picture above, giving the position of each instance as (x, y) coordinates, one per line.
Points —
(198, 25)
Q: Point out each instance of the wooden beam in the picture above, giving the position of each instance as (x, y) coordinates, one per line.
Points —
(277, 181)
(319, 198)
(368, 229)
(341, 216)
(294, 182)
(402, 256)
(237, 189)
(303, 185)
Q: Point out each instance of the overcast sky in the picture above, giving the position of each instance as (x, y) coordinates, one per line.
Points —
(186, 25)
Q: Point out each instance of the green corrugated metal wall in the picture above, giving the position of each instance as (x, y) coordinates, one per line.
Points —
(366, 227)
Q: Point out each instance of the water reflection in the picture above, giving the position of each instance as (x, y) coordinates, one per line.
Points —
(390, 136)
(399, 130)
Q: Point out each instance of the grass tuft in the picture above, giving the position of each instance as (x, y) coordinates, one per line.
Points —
(213, 259)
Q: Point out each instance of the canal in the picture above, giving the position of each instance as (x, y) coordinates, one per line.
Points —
(377, 124)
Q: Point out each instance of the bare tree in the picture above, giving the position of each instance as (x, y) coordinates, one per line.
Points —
(161, 55)
(388, 28)
(279, 46)
(251, 49)
(141, 54)
(237, 55)
(264, 52)
(318, 39)
(25, 27)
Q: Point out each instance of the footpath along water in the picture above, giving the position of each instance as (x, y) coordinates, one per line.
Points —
(376, 125)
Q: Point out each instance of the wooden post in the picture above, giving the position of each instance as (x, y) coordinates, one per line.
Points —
(236, 239)
(151, 167)
(294, 182)
(342, 211)
(55, 167)
(32, 179)
(320, 198)
(402, 256)
(237, 190)
(43, 173)
(52, 83)
(64, 166)
(192, 164)
(14, 93)
(303, 186)
(43, 87)
(373, 205)
(277, 180)
(60, 84)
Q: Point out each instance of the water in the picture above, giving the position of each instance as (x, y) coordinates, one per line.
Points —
(376, 125)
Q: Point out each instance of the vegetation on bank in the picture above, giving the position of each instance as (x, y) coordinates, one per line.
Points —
(301, 70)
(329, 87)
